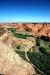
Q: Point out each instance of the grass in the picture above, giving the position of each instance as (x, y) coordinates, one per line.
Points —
(43, 45)
(12, 29)
(41, 61)
(21, 54)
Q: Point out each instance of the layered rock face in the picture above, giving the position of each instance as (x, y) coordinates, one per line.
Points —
(41, 29)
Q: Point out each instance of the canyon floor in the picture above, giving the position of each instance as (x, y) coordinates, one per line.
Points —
(25, 47)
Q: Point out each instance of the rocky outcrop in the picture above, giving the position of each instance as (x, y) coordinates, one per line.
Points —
(39, 29)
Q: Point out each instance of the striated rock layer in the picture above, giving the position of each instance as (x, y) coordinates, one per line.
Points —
(41, 29)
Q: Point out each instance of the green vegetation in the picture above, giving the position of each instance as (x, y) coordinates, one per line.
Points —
(18, 35)
(12, 29)
(21, 54)
(39, 41)
(37, 55)
(18, 46)
(40, 57)
(43, 45)
(41, 61)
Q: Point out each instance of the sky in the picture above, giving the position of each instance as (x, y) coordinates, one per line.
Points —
(24, 10)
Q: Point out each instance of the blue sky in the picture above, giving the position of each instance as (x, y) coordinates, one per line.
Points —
(24, 10)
